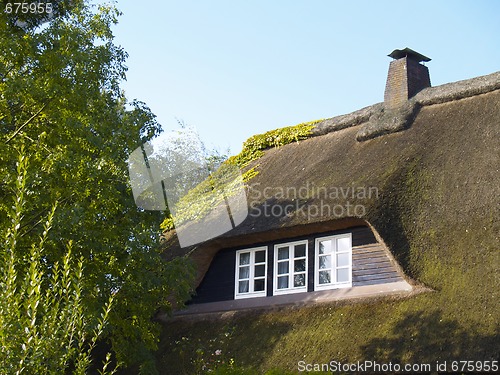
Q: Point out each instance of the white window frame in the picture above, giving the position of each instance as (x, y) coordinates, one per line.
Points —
(291, 272)
(251, 279)
(333, 284)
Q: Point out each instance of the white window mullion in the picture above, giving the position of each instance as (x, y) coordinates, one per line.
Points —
(252, 266)
(290, 269)
(334, 261)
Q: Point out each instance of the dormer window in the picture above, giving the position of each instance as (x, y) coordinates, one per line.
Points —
(313, 267)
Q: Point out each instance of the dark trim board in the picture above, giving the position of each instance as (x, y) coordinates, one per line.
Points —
(372, 265)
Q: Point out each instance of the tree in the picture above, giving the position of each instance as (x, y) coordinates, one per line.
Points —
(43, 328)
(61, 103)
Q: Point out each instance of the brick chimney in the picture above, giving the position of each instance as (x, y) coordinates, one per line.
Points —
(406, 77)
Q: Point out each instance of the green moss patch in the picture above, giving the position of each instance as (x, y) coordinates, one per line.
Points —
(200, 200)
(253, 146)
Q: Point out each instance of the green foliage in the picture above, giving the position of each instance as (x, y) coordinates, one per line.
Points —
(61, 103)
(44, 325)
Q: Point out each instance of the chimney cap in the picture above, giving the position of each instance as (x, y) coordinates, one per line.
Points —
(407, 52)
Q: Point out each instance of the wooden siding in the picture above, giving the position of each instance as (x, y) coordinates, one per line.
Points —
(371, 265)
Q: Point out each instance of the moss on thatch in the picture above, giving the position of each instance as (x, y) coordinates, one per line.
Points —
(198, 202)
(437, 210)
(254, 146)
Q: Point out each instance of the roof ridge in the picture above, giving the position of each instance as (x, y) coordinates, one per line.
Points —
(379, 120)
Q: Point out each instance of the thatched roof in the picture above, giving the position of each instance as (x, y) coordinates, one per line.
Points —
(437, 163)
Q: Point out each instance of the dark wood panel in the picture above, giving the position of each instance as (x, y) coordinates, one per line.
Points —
(366, 248)
(374, 256)
(376, 281)
(310, 264)
(369, 260)
(218, 283)
(376, 277)
(362, 236)
(391, 277)
(372, 264)
(369, 251)
(373, 271)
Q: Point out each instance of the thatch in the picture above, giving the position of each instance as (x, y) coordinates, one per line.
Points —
(441, 170)
(437, 211)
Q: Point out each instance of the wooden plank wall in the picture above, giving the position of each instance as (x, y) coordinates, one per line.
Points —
(371, 263)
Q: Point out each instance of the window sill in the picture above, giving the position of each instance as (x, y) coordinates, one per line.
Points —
(250, 295)
(279, 292)
(332, 286)
(300, 299)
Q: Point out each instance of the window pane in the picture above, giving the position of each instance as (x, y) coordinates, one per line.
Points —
(243, 286)
(300, 251)
(342, 275)
(324, 277)
(283, 253)
(260, 270)
(343, 244)
(325, 247)
(260, 256)
(325, 262)
(300, 265)
(244, 258)
(258, 285)
(282, 282)
(282, 268)
(244, 272)
(299, 280)
(342, 259)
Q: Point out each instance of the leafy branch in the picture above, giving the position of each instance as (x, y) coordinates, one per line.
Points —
(34, 116)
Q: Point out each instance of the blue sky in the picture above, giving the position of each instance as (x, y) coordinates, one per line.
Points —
(237, 68)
